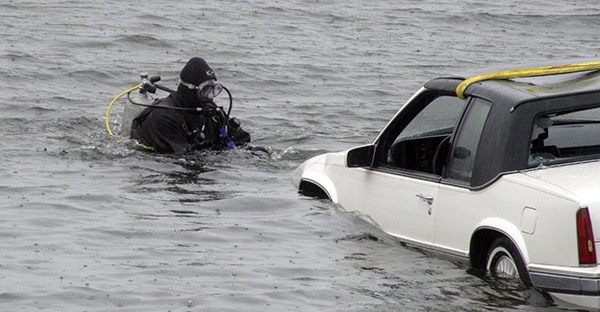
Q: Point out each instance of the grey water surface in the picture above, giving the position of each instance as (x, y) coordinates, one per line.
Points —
(90, 223)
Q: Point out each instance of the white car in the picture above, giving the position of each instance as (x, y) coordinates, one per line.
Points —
(502, 170)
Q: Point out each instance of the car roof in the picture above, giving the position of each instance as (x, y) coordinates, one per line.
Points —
(504, 132)
(518, 90)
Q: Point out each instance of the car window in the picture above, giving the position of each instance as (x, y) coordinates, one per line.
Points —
(415, 146)
(465, 147)
(565, 136)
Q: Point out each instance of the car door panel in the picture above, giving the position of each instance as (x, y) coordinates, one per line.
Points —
(397, 203)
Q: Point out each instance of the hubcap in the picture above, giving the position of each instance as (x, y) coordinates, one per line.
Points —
(505, 266)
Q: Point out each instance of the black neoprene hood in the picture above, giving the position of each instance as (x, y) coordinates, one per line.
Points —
(196, 71)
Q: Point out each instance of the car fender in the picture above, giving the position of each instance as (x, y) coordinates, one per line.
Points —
(510, 230)
(323, 182)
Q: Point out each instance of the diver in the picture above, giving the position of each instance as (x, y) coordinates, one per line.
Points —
(194, 121)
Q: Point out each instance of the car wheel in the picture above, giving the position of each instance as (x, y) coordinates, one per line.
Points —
(504, 261)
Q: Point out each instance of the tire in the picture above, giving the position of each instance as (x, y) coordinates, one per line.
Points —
(504, 261)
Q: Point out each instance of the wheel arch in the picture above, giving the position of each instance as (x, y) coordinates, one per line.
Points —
(486, 233)
(318, 186)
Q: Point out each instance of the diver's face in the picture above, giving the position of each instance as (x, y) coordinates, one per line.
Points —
(208, 90)
(204, 99)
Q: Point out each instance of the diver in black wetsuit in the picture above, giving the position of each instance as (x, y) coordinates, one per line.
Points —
(197, 124)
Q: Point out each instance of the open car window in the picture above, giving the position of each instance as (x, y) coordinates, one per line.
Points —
(561, 137)
(414, 143)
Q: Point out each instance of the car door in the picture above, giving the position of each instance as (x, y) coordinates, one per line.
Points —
(399, 191)
(459, 207)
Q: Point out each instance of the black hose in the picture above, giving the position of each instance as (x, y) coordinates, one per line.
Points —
(230, 101)
(198, 109)
(164, 88)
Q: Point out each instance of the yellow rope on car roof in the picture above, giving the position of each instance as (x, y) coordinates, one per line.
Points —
(526, 72)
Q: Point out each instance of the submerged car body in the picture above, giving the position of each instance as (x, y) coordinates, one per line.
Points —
(507, 176)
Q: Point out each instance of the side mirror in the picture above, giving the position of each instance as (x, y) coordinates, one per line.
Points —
(360, 156)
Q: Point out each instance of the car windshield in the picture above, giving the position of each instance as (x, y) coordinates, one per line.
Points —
(565, 136)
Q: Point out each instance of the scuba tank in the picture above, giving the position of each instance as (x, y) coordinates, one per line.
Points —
(131, 110)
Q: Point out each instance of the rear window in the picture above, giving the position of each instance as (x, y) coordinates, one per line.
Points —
(565, 136)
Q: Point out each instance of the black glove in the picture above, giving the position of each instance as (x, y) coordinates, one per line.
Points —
(234, 123)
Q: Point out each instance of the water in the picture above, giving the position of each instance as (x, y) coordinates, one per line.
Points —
(89, 223)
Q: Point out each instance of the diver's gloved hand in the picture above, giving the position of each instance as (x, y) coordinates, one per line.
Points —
(234, 123)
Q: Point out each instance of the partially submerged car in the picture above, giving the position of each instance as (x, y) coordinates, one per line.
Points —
(502, 170)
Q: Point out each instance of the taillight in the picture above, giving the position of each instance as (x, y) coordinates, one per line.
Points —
(585, 238)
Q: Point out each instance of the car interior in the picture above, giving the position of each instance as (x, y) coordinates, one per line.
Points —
(419, 154)
(564, 137)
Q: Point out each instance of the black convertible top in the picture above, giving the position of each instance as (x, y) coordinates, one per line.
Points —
(516, 102)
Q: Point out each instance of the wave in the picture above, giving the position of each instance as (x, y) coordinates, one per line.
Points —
(137, 40)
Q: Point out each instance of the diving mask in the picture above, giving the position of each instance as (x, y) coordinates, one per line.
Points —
(207, 90)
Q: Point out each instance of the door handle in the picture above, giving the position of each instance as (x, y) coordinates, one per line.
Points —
(426, 198)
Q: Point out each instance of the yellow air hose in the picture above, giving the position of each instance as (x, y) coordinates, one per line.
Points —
(113, 103)
(527, 72)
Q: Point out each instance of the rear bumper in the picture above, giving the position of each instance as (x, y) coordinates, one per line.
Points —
(572, 285)
(582, 291)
